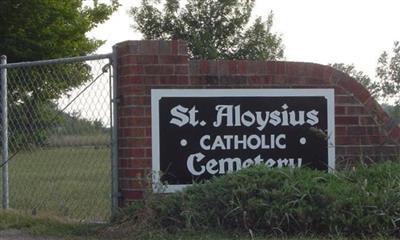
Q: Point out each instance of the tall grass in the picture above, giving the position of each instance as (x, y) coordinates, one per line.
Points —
(361, 202)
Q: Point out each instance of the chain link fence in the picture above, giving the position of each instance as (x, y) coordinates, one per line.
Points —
(59, 138)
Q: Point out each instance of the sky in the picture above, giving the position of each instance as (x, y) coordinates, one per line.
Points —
(319, 31)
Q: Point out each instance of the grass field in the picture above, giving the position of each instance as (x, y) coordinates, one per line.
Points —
(66, 182)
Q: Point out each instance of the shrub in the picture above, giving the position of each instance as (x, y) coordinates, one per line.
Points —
(290, 201)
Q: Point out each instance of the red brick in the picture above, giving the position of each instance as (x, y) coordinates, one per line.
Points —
(339, 90)
(204, 80)
(182, 48)
(260, 80)
(172, 59)
(371, 140)
(328, 71)
(356, 88)
(134, 142)
(148, 132)
(233, 80)
(132, 90)
(132, 111)
(133, 172)
(202, 67)
(159, 69)
(355, 110)
(337, 76)
(131, 132)
(344, 99)
(294, 68)
(132, 152)
(353, 150)
(339, 131)
(242, 66)
(275, 68)
(132, 194)
(148, 152)
(139, 163)
(147, 59)
(367, 120)
(122, 49)
(174, 47)
(165, 48)
(138, 59)
(256, 68)
(340, 151)
(223, 68)
(395, 133)
(181, 69)
(147, 111)
(345, 140)
(131, 100)
(174, 80)
(318, 81)
(124, 163)
(319, 72)
(133, 184)
(375, 109)
(346, 120)
(372, 130)
(212, 68)
(135, 121)
(339, 110)
(130, 80)
(233, 68)
(130, 70)
(356, 130)
(149, 47)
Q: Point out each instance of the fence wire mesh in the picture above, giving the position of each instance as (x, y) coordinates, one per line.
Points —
(59, 139)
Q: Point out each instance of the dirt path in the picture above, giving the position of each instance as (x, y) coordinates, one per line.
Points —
(19, 235)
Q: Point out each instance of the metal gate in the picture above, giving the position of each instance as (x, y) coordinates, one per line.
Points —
(57, 137)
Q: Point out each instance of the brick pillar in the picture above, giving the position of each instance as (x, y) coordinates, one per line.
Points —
(142, 65)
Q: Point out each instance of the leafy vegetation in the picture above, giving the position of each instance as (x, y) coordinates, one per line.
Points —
(388, 71)
(361, 202)
(213, 29)
(41, 29)
(37, 30)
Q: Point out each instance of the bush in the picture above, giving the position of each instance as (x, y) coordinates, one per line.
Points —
(365, 201)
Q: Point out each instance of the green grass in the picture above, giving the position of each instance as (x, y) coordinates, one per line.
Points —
(47, 226)
(67, 182)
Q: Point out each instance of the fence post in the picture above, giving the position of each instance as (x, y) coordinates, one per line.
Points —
(114, 136)
(4, 132)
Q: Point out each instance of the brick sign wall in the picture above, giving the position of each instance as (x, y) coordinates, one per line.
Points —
(363, 131)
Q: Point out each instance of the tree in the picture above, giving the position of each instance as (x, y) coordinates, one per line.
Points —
(388, 71)
(360, 76)
(44, 29)
(214, 29)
